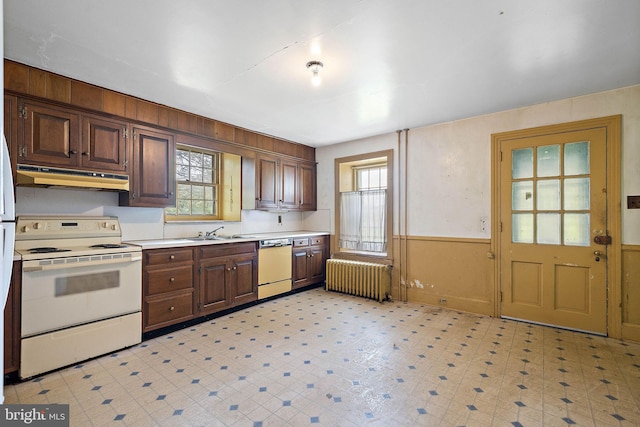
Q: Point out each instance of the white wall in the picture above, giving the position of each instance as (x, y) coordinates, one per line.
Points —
(449, 164)
(148, 223)
(449, 170)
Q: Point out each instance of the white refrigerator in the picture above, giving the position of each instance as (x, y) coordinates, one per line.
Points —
(7, 211)
(7, 238)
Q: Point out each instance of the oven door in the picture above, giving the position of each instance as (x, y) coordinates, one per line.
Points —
(62, 292)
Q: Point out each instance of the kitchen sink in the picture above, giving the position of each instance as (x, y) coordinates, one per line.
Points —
(202, 238)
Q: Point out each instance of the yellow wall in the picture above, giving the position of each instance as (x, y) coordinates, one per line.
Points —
(457, 270)
(631, 292)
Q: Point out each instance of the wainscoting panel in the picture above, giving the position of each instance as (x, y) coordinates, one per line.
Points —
(448, 272)
(631, 292)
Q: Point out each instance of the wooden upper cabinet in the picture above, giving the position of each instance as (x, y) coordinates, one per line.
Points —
(267, 182)
(283, 183)
(49, 136)
(104, 144)
(153, 179)
(307, 190)
(11, 129)
(288, 185)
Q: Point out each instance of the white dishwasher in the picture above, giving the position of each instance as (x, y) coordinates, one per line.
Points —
(274, 267)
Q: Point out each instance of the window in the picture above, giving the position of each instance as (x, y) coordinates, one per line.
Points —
(371, 177)
(363, 213)
(197, 182)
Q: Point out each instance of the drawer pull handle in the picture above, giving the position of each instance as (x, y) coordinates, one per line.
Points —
(172, 257)
(173, 279)
(172, 308)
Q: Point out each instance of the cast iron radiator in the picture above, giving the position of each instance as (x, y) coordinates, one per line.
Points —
(364, 279)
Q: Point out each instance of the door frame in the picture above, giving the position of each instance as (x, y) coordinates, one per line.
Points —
(612, 125)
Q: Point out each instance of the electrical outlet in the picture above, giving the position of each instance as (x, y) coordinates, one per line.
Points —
(443, 301)
(633, 202)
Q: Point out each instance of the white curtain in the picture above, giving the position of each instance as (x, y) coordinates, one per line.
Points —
(363, 220)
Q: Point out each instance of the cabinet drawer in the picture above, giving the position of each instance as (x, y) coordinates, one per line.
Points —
(226, 249)
(169, 310)
(167, 280)
(168, 256)
(320, 240)
(301, 242)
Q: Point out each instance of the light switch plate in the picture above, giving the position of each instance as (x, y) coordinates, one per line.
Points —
(633, 202)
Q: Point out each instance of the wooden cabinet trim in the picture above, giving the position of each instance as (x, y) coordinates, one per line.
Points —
(24, 80)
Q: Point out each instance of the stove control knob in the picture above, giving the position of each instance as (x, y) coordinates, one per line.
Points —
(114, 227)
(24, 229)
(36, 226)
(105, 225)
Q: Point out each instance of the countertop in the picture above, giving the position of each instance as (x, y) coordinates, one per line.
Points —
(249, 237)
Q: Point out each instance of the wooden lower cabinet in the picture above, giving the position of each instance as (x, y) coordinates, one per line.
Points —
(181, 284)
(228, 276)
(12, 315)
(309, 258)
(168, 287)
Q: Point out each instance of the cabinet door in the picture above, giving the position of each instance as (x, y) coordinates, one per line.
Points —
(103, 144)
(316, 264)
(289, 185)
(153, 169)
(267, 183)
(11, 130)
(214, 285)
(245, 278)
(299, 271)
(12, 322)
(307, 187)
(49, 136)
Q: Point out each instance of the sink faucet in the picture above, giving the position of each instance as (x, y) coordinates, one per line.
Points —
(213, 232)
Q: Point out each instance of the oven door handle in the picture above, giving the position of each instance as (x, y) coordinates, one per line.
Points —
(86, 261)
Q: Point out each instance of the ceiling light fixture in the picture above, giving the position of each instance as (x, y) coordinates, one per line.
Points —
(315, 67)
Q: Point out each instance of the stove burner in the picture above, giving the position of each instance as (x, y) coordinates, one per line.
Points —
(46, 250)
(107, 246)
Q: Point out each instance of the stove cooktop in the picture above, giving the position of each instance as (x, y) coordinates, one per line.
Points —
(60, 251)
(46, 250)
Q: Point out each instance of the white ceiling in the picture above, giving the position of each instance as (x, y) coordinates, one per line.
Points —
(389, 64)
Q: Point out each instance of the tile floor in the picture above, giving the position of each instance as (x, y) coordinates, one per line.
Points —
(318, 358)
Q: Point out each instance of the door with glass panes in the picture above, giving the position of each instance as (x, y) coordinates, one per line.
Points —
(553, 211)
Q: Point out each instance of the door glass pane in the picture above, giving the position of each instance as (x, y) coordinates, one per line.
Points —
(522, 226)
(522, 196)
(548, 231)
(549, 160)
(576, 158)
(522, 163)
(576, 194)
(548, 195)
(576, 229)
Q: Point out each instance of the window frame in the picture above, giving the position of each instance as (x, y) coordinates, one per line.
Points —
(345, 181)
(216, 184)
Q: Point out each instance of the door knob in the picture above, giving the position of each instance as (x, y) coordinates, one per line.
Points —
(599, 255)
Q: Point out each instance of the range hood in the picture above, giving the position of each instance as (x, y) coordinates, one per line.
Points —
(39, 176)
